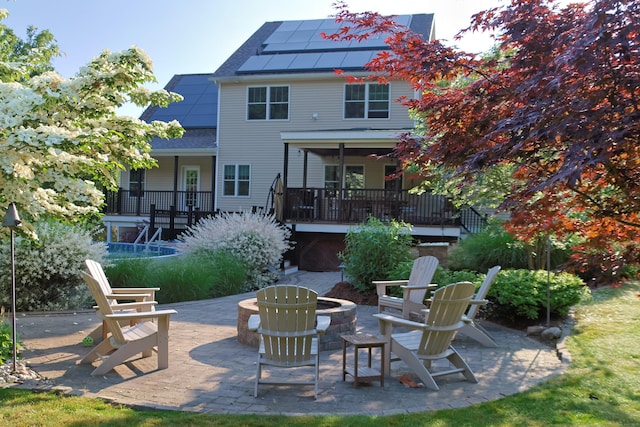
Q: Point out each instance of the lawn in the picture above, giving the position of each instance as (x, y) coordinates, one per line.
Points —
(600, 387)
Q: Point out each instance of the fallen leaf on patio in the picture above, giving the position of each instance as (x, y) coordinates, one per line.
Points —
(407, 381)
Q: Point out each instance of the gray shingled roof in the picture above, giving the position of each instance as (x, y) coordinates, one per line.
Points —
(297, 47)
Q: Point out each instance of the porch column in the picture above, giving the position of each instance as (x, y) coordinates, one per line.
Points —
(305, 169)
(285, 176)
(175, 180)
(213, 183)
(341, 167)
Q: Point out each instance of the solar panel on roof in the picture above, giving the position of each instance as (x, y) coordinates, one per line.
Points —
(356, 59)
(304, 61)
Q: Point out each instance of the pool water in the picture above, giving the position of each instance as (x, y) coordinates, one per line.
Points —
(139, 250)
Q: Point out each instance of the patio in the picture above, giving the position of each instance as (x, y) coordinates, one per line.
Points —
(210, 371)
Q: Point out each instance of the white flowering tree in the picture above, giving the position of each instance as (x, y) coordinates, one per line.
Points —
(61, 140)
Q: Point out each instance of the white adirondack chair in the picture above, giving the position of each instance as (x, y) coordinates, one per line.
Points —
(414, 289)
(149, 331)
(289, 332)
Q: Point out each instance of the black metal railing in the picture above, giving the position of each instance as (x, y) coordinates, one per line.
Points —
(356, 205)
(125, 202)
(178, 210)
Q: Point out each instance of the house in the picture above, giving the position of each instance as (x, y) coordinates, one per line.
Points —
(284, 117)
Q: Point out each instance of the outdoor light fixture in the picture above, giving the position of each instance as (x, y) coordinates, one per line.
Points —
(12, 220)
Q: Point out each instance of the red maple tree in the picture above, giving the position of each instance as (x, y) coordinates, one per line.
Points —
(563, 110)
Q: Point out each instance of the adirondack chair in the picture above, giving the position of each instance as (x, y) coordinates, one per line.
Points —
(414, 290)
(289, 331)
(125, 342)
(143, 298)
(430, 341)
(471, 328)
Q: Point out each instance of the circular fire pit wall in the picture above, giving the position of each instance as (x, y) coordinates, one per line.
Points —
(342, 313)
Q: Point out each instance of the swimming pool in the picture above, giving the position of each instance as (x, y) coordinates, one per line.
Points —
(140, 250)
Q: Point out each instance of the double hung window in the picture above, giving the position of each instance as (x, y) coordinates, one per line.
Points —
(366, 101)
(268, 103)
(236, 180)
(136, 182)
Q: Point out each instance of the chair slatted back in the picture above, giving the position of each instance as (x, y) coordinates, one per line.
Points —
(422, 273)
(483, 290)
(287, 322)
(104, 307)
(445, 317)
(96, 271)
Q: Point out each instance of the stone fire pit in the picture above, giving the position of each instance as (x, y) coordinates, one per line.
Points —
(342, 313)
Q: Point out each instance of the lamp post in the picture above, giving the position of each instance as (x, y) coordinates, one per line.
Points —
(12, 220)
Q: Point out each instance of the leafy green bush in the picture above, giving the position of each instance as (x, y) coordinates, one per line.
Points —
(495, 246)
(519, 294)
(6, 342)
(492, 246)
(373, 250)
(258, 240)
(188, 277)
(48, 270)
(444, 277)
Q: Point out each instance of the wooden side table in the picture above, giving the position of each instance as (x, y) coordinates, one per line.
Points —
(363, 374)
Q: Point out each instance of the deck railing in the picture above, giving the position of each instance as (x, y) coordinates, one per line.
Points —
(183, 208)
(356, 205)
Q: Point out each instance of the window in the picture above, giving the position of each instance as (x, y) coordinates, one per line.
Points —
(366, 101)
(353, 177)
(136, 182)
(236, 180)
(191, 180)
(392, 183)
(268, 103)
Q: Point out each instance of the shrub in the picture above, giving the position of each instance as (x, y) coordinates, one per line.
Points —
(522, 294)
(6, 340)
(495, 246)
(48, 270)
(258, 240)
(188, 277)
(373, 250)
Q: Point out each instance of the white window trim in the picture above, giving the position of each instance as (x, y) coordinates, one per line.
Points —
(235, 184)
(366, 103)
(268, 102)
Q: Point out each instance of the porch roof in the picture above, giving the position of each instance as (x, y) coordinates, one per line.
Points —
(356, 141)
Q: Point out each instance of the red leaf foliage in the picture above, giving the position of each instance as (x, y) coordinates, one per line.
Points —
(564, 109)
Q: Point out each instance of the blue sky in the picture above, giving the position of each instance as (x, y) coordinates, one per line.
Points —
(196, 36)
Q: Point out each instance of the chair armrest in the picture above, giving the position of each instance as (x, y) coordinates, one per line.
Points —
(123, 296)
(149, 292)
(398, 321)
(381, 285)
(134, 290)
(479, 301)
(386, 322)
(145, 305)
(427, 287)
(253, 322)
(323, 323)
(135, 315)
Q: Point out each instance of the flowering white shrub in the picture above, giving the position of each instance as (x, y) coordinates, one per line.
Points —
(257, 239)
(48, 269)
(62, 141)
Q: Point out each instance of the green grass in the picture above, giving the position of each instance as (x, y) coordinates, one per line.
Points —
(600, 387)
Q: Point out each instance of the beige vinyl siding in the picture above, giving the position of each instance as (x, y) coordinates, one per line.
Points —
(160, 178)
(258, 142)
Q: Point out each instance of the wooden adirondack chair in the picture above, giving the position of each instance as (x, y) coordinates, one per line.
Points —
(143, 299)
(471, 328)
(289, 331)
(431, 340)
(126, 341)
(414, 290)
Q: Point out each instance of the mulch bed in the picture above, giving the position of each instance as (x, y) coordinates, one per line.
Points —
(345, 290)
